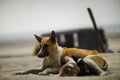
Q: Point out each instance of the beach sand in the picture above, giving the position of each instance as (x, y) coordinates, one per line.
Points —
(15, 59)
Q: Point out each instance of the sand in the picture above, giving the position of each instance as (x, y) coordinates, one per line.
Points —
(11, 65)
(15, 58)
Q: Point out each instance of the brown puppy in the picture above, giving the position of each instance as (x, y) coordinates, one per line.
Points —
(82, 65)
(53, 55)
(70, 68)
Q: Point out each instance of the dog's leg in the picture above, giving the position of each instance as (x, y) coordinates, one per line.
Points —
(34, 71)
(93, 67)
(49, 71)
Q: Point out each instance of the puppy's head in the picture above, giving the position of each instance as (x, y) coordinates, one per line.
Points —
(47, 45)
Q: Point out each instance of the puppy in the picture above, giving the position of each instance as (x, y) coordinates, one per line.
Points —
(92, 64)
(82, 65)
(70, 68)
(53, 55)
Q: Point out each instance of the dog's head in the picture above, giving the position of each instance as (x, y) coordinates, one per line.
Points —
(47, 45)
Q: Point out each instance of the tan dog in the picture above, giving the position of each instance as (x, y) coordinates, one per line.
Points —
(70, 68)
(54, 55)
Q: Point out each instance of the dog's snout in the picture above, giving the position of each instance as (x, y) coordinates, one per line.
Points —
(40, 53)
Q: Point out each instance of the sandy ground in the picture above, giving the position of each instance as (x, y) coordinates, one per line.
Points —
(8, 66)
(18, 58)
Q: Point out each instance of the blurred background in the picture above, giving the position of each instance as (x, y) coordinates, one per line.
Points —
(21, 19)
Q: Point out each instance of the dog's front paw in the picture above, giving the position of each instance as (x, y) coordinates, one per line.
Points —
(42, 73)
(56, 75)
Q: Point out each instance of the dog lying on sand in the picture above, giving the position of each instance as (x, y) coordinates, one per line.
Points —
(54, 55)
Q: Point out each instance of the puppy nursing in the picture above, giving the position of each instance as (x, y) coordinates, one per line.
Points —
(96, 64)
(92, 64)
(80, 67)
(70, 68)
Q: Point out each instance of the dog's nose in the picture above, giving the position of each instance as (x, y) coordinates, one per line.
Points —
(40, 55)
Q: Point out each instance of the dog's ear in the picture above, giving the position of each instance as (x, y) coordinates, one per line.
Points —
(38, 38)
(53, 36)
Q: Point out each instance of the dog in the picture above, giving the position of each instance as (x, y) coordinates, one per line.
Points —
(53, 55)
(70, 68)
(91, 65)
